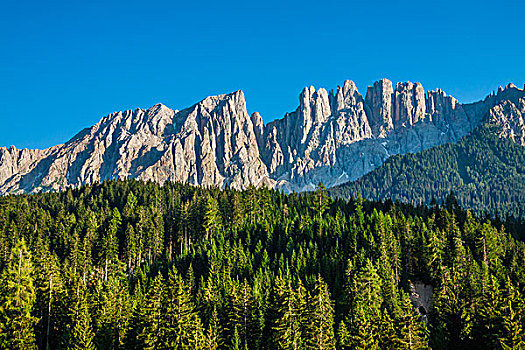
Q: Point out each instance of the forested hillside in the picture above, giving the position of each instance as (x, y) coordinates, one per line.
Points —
(132, 265)
(486, 173)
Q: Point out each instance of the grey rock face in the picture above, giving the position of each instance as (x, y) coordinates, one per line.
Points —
(213, 143)
(511, 117)
(379, 103)
(360, 134)
(409, 104)
(301, 149)
(332, 137)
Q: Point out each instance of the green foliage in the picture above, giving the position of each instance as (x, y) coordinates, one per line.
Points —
(411, 331)
(82, 333)
(485, 172)
(132, 265)
(320, 318)
(17, 297)
(180, 325)
(151, 316)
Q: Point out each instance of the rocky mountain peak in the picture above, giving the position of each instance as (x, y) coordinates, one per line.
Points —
(330, 137)
(409, 104)
(379, 107)
(510, 92)
(510, 116)
(346, 97)
(258, 128)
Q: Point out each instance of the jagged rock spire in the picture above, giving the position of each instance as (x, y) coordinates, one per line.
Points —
(330, 137)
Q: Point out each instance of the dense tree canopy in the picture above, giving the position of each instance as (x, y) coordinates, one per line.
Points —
(132, 265)
(486, 173)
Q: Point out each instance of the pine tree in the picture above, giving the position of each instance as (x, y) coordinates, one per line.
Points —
(289, 307)
(110, 244)
(451, 311)
(181, 326)
(363, 330)
(49, 289)
(82, 331)
(236, 340)
(343, 337)
(365, 314)
(213, 333)
(212, 217)
(387, 333)
(321, 200)
(242, 312)
(151, 316)
(112, 316)
(184, 219)
(487, 321)
(156, 233)
(17, 297)
(512, 334)
(411, 330)
(131, 246)
(320, 319)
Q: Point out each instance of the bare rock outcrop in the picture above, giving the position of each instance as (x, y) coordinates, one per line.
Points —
(511, 117)
(213, 143)
(379, 103)
(331, 137)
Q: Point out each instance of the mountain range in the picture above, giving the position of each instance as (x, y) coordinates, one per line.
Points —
(332, 137)
(485, 173)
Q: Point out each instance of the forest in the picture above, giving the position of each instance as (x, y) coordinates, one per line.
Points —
(134, 265)
(486, 173)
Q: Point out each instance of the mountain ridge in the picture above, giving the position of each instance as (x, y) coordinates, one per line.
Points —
(332, 137)
(485, 172)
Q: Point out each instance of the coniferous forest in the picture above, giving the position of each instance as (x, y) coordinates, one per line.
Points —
(486, 173)
(133, 265)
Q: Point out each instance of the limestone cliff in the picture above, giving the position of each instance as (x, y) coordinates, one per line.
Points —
(332, 137)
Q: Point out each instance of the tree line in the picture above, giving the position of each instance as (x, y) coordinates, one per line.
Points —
(486, 173)
(133, 265)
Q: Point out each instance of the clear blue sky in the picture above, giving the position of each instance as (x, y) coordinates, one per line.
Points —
(65, 64)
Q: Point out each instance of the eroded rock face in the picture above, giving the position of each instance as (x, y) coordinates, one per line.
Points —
(332, 137)
(213, 143)
(379, 103)
(301, 149)
(409, 104)
(511, 116)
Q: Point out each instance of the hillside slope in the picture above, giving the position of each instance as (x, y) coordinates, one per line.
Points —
(485, 171)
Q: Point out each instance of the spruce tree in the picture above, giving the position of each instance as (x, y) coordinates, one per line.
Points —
(363, 330)
(213, 333)
(365, 314)
(236, 340)
(112, 312)
(343, 337)
(17, 297)
(320, 318)
(242, 313)
(110, 247)
(387, 332)
(212, 217)
(290, 308)
(181, 327)
(411, 330)
(82, 332)
(151, 316)
(512, 334)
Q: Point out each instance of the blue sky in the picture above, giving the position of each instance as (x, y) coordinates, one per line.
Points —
(64, 65)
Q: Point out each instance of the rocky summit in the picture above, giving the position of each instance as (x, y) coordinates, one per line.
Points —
(332, 137)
